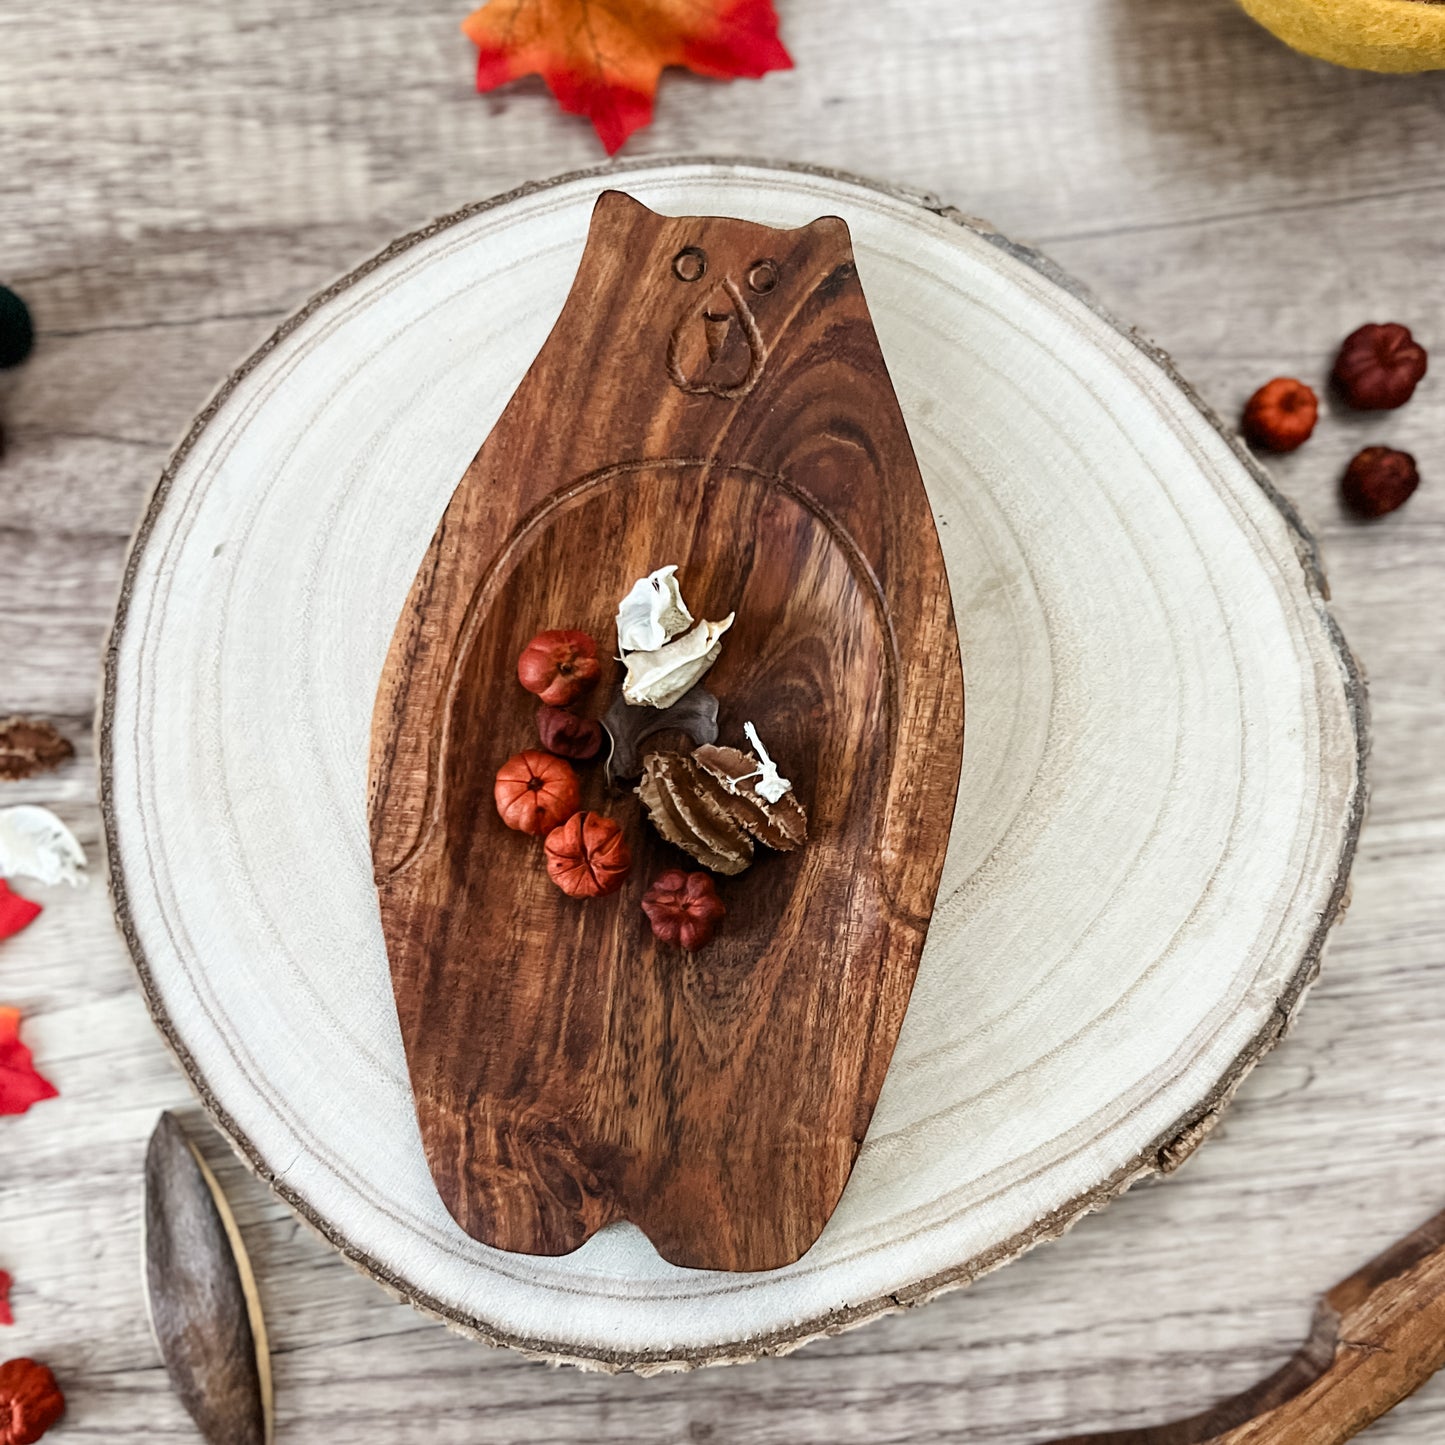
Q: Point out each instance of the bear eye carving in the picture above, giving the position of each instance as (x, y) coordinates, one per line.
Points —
(690, 263)
(763, 276)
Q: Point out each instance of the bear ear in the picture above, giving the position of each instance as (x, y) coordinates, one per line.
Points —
(617, 205)
(835, 228)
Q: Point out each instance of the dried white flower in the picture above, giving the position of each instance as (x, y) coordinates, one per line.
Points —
(771, 783)
(652, 613)
(34, 843)
(659, 677)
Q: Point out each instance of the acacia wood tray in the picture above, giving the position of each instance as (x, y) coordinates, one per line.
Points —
(569, 1072)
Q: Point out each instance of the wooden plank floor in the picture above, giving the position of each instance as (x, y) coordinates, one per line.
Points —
(174, 178)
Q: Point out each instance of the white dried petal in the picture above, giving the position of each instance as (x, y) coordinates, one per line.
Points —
(659, 677)
(770, 782)
(652, 613)
(34, 843)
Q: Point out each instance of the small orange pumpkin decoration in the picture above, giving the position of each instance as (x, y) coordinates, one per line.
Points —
(536, 792)
(588, 856)
(30, 1401)
(1280, 416)
(559, 666)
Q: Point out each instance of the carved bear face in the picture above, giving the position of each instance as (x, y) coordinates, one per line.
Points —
(718, 291)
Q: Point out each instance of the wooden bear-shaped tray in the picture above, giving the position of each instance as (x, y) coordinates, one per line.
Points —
(712, 395)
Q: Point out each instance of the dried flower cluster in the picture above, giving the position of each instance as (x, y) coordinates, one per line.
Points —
(33, 843)
(714, 803)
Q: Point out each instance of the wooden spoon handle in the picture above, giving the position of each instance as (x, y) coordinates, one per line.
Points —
(1377, 1337)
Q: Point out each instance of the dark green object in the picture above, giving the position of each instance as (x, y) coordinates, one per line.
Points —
(17, 335)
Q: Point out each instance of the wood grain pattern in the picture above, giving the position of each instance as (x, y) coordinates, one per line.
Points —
(1228, 196)
(1376, 1338)
(569, 1071)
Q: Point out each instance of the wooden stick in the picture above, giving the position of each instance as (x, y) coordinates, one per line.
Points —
(1377, 1337)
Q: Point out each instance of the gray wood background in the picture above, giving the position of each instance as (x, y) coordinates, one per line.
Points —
(176, 176)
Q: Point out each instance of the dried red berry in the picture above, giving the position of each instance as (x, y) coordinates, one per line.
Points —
(6, 1317)
(1379, 367)
(30, 1401)
(567, 735)
(1379, 480)
(684, 908)
(1280, 416)
(559, 666)
(588, 856)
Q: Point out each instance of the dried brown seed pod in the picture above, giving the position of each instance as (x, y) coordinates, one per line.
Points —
(782, 825)
(669, 793)
(694, 714)
(28, 746)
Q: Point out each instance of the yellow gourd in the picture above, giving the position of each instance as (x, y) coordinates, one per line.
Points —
(1394, 35)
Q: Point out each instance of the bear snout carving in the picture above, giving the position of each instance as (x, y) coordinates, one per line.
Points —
(716, 347)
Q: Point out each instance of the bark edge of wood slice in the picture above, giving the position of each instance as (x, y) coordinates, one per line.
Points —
(1159, 804)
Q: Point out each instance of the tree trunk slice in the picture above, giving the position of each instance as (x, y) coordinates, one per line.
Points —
(1377, 1337)
(1157, 811)
(569, 1071)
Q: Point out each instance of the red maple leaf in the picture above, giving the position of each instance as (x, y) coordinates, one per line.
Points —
(15, 912)
(20, 1085)
(602, 58)
(6, 1318)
